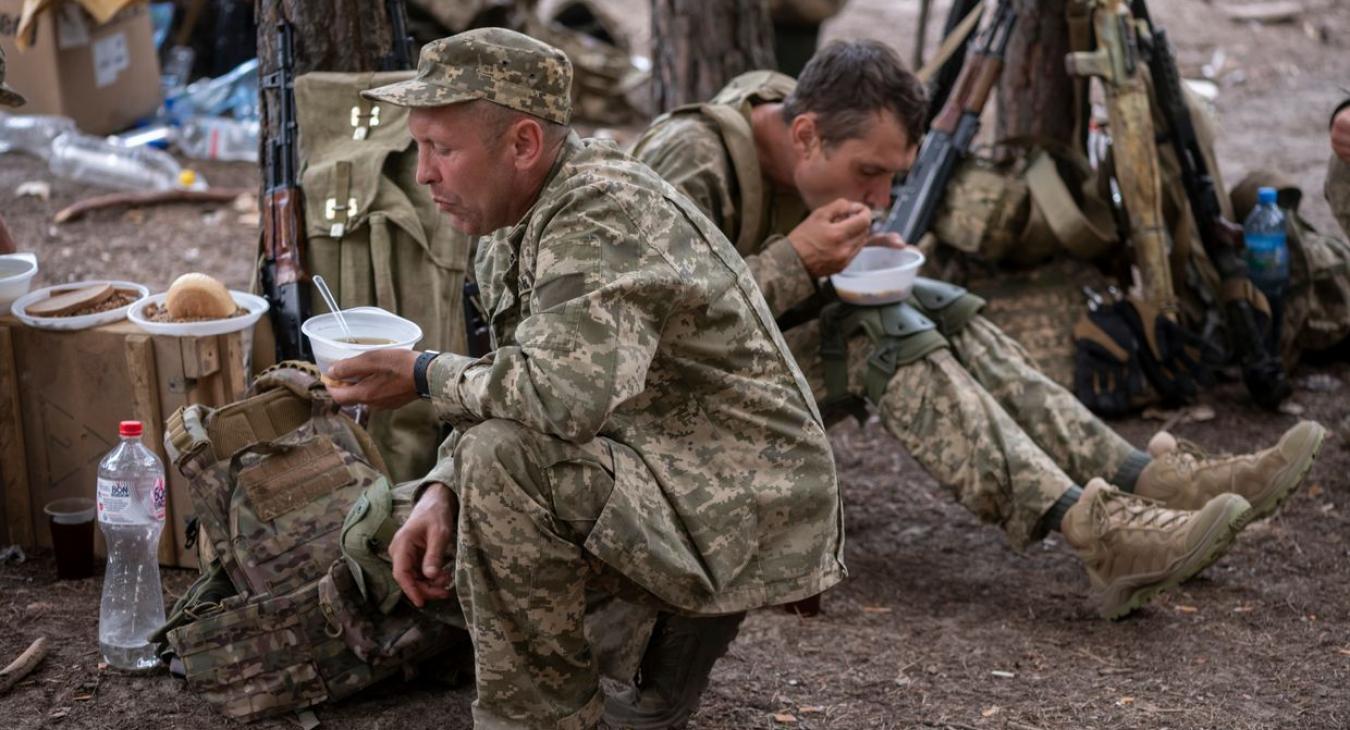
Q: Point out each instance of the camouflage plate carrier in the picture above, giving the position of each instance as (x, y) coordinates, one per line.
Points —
(278, 621)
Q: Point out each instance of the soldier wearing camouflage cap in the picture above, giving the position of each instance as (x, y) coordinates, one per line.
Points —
(639, 434)
(8, 97)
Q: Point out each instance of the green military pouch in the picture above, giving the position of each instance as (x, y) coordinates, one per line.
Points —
(366, 534)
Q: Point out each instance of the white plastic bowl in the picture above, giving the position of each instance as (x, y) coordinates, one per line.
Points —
(878, 275)
(85, 321)
(324, 334)
(254, 305)
(16, 275)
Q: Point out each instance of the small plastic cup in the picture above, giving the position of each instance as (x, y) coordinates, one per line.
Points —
(72, 524)
(366, 323)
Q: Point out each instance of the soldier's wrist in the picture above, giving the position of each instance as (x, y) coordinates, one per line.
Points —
(419, 373)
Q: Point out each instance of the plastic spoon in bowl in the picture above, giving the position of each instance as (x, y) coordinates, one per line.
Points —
(328, 299)
(358, 412)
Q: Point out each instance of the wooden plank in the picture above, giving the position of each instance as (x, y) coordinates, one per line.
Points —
(144, 380)
(201, 356)
(175, 391)
(18, 520)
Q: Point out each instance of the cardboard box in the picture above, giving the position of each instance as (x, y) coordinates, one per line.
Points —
(105, 77)
(62, 395)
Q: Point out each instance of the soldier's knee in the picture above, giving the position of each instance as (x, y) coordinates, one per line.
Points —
(489, 445)
(950, 306)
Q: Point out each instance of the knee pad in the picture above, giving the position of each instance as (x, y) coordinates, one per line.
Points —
(899, 334)
(949, 305)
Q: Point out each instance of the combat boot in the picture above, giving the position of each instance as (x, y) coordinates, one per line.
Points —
(1184, 477)
(675, 671)
(1135, 548)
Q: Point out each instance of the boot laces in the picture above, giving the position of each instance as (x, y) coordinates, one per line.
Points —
(1132, 511)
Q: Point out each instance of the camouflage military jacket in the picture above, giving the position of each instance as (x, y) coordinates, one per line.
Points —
(690, 150)
(620, 313)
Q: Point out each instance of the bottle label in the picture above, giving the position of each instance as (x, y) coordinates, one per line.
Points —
(118, 503)
(1267, 255)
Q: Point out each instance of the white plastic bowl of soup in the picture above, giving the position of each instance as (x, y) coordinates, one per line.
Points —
(372, 328)
(878, 275)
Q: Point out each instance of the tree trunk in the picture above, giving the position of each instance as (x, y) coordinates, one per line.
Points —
(699, 45)
(1035, 94)
(328, 35)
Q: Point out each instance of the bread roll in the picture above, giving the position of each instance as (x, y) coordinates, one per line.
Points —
(198, 296)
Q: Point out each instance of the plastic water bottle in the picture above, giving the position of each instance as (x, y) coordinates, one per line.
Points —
(219, 138)
(97, 161)
(32, 133)
(1268, 255)
(131, 515)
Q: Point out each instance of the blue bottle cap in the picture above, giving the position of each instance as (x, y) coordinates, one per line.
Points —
(1265, 195)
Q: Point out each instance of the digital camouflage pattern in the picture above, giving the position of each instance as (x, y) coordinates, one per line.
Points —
(276, 623)
(639, 426)
(8, 96)
(977, 415)
(496, 64)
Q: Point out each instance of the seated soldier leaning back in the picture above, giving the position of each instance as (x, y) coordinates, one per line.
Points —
(791, 171)
(640, 429)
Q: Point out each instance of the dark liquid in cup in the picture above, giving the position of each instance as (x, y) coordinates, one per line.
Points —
(365, 341)
(74, 546)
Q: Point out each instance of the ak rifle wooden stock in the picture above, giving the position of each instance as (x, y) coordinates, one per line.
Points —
(283, 219)
(949, 138)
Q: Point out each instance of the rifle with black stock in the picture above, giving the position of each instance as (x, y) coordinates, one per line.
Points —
(283, 230)
(952, 131)
(1262, 371)
(399, 57)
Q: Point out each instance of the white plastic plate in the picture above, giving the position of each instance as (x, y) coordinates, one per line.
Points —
(256, 306)
(20, 306)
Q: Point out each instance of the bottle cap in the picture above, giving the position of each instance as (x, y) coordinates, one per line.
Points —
(129, 428)
(1265, 195)
(187, 178)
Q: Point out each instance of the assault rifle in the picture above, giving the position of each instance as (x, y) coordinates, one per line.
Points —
(283, 231)
(1262, 371)
(949, 137)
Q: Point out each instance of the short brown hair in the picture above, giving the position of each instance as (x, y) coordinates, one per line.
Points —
(847, 82)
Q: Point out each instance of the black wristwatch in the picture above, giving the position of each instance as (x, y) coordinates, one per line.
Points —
(420, 383)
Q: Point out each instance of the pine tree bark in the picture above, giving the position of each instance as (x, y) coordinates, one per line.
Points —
(1035, 93)
(328, 35)
(699, 45)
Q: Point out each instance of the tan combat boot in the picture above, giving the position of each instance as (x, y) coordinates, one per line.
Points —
(1184, 477)
(1135, 548)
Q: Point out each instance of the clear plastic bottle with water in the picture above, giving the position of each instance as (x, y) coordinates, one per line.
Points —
(99, 162)
(32, 133)
(1267, 255)
(131, 515)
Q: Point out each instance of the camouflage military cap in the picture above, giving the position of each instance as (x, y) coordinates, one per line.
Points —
(8, 96)
(496, 64)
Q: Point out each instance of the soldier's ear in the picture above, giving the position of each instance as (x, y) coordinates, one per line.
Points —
(526, 138)
(805, 136)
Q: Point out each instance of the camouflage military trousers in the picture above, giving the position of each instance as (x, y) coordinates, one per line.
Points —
(986, 424)
(547, 618)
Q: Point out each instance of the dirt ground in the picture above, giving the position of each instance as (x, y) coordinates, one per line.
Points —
(940, 624)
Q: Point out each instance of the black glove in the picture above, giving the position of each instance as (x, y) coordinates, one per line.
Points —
(1172, 358)
(1106, 376)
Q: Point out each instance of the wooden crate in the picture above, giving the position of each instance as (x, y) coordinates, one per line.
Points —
(62, 395)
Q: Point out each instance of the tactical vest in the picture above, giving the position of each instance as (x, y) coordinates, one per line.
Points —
(278, 621)
(377, 237)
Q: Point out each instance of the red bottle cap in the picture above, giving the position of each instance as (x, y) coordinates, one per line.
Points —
(129, 428)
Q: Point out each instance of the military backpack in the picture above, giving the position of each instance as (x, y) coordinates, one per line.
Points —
(279, 621)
